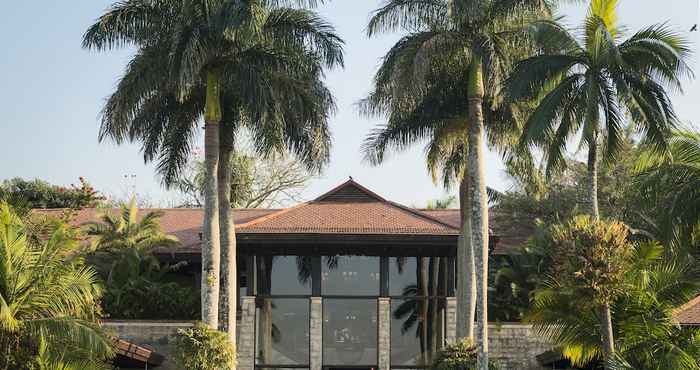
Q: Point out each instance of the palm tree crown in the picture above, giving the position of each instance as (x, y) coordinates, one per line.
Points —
(263, 55)
(589, 84)
(127, 230)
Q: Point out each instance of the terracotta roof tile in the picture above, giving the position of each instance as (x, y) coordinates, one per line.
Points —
(689, 313)
(349, 209)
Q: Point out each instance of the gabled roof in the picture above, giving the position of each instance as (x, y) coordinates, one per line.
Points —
(689, 313)
(349, 209)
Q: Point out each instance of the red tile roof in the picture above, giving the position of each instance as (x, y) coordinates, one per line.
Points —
(349, 209)
(689, 313)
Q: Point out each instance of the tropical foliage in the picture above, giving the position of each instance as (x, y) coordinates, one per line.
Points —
(647, 337)
(48, 300)
(138, 285)
(671, 185)
(41, 194)
(458, 356)
(201, 348)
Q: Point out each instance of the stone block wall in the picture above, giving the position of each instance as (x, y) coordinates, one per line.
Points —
(515, 346)
(157, 335)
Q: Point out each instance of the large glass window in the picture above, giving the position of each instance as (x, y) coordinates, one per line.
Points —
(284, 275)
(350, 275)
(349, 331)
(417, 330)
(283, 331)
(417, 276)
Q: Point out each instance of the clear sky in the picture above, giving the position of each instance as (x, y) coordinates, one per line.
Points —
(51, 93)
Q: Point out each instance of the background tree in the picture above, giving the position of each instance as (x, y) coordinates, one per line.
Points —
(591, 84)
(256, 182)
(49, 300)
(671, 186)
(41, 194)
(444, 76)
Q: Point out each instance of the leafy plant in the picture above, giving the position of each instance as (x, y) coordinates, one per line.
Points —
(137, 284)
(458, 356)
(48, 300)
(41, 194)
(201, 348)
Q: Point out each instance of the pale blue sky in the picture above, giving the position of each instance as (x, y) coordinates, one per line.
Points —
(51, 92)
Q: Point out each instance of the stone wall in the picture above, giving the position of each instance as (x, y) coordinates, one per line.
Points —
(157, 335)
(515, 346)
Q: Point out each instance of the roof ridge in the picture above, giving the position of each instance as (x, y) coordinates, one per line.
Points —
(350, 181)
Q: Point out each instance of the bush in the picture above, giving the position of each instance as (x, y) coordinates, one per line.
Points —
(201, 348)
(458, 356)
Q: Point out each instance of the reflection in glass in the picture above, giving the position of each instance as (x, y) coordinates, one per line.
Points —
(417, 330)
(283, 331)
(284, 275)
(349, 331)
(405, 273)
(350, 275)
(417, 323)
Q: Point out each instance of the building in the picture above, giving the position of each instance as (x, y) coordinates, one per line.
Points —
(347, 280)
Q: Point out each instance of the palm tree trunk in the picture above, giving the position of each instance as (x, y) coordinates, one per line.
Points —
(479, 207)
(607, 333)
(228, 287)
(466, 271)
(210, 242)
(593, 176)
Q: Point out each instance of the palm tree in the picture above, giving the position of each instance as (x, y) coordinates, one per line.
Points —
(226, 61)
(48, 299)
(441, 82)
(128, 231)
(647, 337)
(671, 184)
(588, 86)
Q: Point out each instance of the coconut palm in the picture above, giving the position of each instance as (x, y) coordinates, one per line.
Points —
(589, 84)
(244, 63)
(441, 83)
(48, 299)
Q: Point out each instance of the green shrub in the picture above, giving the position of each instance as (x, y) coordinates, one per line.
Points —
(201, 348)
(458, 356)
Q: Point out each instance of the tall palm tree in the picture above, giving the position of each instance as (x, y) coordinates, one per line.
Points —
(245, 63)
(441, 82)
(589, 84)
(48, 299)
